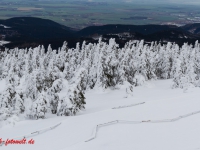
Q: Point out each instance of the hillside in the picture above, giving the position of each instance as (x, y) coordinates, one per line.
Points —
(25, 32)
(31, 32)
(192, 28)
(161, 102)
(101, 95)
(36, 28)
(114, 29)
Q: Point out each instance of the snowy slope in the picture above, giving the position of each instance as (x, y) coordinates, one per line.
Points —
(161, 102)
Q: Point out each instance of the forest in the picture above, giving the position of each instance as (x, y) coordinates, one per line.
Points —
(39, 82)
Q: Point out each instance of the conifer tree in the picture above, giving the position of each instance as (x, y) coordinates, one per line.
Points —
(76, 92)
(39, 107)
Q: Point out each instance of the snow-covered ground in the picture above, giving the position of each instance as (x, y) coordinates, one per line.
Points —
(161, 102)
(3, 43)
(4, 26)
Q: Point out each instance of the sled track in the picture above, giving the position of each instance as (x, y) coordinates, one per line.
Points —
(128, 106)
(137, 122)
(34, 133)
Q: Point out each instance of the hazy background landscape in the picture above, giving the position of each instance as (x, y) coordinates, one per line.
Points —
(83, 13)
(29, 23)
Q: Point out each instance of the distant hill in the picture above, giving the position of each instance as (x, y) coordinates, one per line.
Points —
(179, 37)
(192, 28)
(36, 28)
(30, 32)
(142, 29)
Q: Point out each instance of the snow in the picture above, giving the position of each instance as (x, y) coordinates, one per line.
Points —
(4, 26)
(2, 85)
(3, 43)
(161, 102)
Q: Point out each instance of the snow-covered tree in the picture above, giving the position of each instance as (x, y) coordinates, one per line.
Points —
(31, 86)
(42, 76)
(53, 99)
(19, 103)
(64, 107)
(39, 107)
(7, 101)
(76, 92)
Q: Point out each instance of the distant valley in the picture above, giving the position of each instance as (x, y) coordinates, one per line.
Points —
(83, 13)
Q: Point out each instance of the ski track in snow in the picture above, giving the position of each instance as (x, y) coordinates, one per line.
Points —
(96, 129)
(35, 133)
(138, 122)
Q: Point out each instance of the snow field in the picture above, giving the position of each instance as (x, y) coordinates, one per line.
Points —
(161, 102)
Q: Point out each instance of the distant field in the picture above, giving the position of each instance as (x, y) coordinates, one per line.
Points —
(28, 9)
(82, 14)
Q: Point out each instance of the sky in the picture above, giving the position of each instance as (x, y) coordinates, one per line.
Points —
(155, 1)
(195, 2)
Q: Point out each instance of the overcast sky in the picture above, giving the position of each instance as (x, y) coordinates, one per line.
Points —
(177, 1)
(168, 1)
(194, 2)
(155, 1)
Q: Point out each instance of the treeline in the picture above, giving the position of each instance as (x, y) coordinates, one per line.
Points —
(36, 80)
